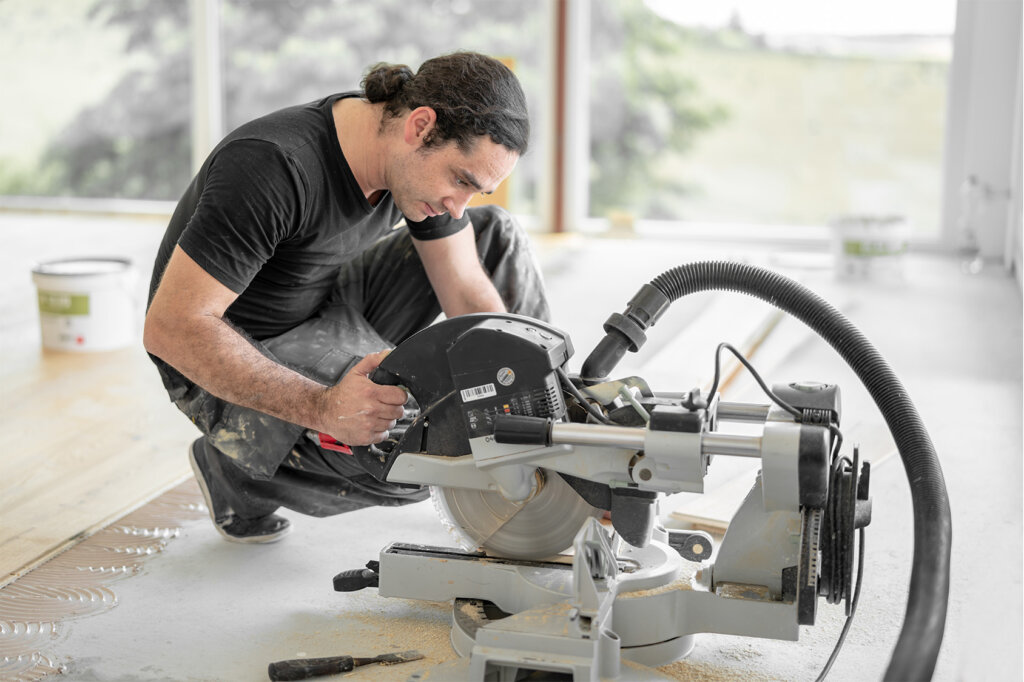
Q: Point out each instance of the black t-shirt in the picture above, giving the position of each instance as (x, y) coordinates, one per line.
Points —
(275, 212)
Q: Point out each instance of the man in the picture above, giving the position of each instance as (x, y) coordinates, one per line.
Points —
(282, 280)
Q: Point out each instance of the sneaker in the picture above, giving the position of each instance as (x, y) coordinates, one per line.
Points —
(264, 530)
(234, 528)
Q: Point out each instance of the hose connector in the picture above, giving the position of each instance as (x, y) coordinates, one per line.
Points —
(624, 331)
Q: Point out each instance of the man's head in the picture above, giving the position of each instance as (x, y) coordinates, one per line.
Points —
(471, 94)
(459, 125)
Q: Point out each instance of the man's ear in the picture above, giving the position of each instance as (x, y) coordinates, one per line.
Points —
(418, 125)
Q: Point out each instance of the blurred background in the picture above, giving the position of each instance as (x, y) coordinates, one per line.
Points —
(733, 118)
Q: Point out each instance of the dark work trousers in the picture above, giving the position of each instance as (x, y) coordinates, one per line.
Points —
(259, 463)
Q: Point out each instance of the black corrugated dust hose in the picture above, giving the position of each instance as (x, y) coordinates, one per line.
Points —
(917, 648)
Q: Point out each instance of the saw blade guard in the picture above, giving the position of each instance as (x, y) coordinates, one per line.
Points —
(464, 373)
(539, 527)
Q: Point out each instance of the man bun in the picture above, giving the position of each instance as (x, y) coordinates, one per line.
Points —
(384, 82)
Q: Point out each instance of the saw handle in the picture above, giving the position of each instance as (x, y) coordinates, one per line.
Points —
(377, 376)
(304, 668)
(522, 430)
(381, 376)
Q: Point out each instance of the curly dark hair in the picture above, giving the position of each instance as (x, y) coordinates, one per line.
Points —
(472, 95)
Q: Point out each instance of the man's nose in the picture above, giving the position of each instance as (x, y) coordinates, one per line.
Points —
(457, 205)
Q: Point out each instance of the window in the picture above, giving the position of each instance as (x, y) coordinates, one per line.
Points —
(792, 112)
(278, 54)
(785, 113)
(98, 93)
(96, 99)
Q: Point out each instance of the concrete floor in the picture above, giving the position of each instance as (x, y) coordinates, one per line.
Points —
(205, 609)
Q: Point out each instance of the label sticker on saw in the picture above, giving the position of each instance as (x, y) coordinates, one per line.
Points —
(478, 392)
(506, 376)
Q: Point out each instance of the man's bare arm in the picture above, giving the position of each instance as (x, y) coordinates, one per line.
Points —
(460, 282)
(185, 328)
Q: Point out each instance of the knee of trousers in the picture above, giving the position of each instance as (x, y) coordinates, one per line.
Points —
(507, 255)
(494, 223)
(500, 239)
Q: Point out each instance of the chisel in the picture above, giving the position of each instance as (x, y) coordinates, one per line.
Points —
(304, 668)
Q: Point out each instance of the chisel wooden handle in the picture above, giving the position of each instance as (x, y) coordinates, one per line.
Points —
(304, 668)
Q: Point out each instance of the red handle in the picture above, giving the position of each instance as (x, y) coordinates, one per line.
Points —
(329, 443)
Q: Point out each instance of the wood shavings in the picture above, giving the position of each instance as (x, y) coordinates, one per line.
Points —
(402, 624)
(701, 671)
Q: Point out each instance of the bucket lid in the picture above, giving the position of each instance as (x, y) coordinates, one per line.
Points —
(79, 267)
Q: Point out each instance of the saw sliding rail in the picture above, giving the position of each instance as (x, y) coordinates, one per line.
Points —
(655, 459)
(634, 438)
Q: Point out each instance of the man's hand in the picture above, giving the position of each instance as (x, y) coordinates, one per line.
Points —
(356, 411)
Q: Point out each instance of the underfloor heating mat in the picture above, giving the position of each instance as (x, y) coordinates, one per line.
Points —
(80, 581)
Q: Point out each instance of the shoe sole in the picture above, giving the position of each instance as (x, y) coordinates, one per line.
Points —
(256, 539)
(208, 500)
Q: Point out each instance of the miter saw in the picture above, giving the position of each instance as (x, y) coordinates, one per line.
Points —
(549, 482)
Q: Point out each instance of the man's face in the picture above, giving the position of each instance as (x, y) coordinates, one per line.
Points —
(429, 181)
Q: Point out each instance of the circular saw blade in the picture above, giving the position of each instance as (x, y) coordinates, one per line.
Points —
(542, 526)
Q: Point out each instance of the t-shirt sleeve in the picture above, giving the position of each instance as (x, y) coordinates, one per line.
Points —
(250, 202)
(437, 227)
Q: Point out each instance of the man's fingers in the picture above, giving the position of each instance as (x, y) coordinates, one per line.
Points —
(371, 431)
(368, 363)
(390, 395)
(364, 411)
(384, 412)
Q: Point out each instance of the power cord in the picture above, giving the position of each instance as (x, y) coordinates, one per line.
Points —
(594, 413)
(753, 372)
(853, 609)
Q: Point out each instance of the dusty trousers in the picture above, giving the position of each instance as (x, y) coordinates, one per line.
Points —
(260, 463)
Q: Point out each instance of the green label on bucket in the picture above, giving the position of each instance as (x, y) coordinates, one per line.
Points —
(869, 249)
(63, 303)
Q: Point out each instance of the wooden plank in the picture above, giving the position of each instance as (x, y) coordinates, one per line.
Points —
(713, 511)
(731, 366)
(680, 353)
(88, 437)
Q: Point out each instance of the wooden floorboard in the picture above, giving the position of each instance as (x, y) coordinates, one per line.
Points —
(86, 437)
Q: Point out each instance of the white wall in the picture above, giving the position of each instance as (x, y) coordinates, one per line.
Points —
(983, 123)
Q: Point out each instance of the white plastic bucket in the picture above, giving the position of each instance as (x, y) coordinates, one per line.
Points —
(86, 304)
(870, 247)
